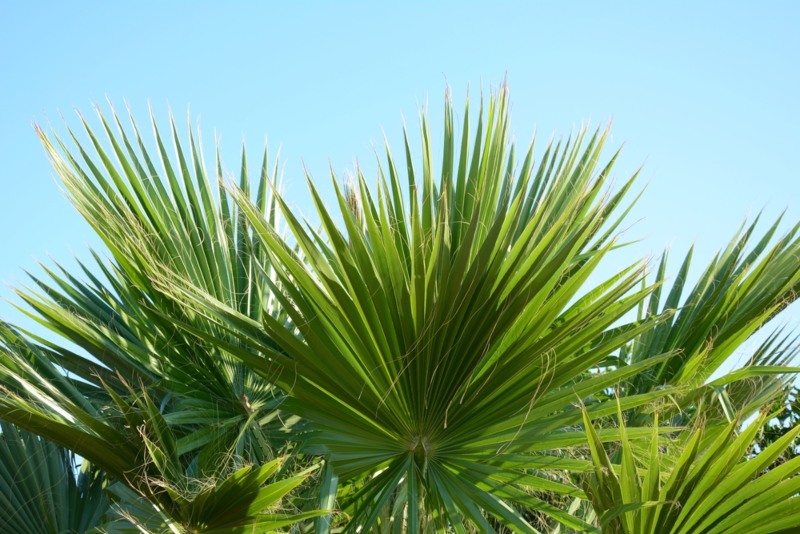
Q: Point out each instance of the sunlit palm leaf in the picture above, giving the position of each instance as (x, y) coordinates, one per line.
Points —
(710, 488)
(447, 325)
(170, 215)
(739, 291)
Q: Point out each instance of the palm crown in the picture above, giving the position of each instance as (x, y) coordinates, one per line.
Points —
(437, 341)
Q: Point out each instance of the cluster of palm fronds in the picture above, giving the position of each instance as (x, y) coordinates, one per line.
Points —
(433, 354)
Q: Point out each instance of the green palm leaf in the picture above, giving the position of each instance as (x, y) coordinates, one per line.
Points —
(42, 488)
(445, 324)
(712, 486)
(741, 289)
(116, 336)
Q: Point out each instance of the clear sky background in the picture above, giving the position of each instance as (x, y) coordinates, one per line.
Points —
(705, 96)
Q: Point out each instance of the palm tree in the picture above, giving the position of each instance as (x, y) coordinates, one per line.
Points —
(436, 342)
(157, 409)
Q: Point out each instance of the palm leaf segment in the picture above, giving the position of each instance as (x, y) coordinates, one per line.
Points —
(742, 288)
(444, 332)
(43, 491)
(699, 485)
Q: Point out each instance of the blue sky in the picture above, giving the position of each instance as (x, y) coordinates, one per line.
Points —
(706, 97)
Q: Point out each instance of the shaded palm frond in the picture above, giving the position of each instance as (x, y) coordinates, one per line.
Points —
(43, 488)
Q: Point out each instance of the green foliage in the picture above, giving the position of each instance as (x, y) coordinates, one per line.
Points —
(439, 341)
(707, 489)
(786, 418)
(43, 490)
(741, 289)
(139, 393)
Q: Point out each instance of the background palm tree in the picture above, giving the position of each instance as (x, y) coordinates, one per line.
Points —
(740, 291)
(149, 403)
